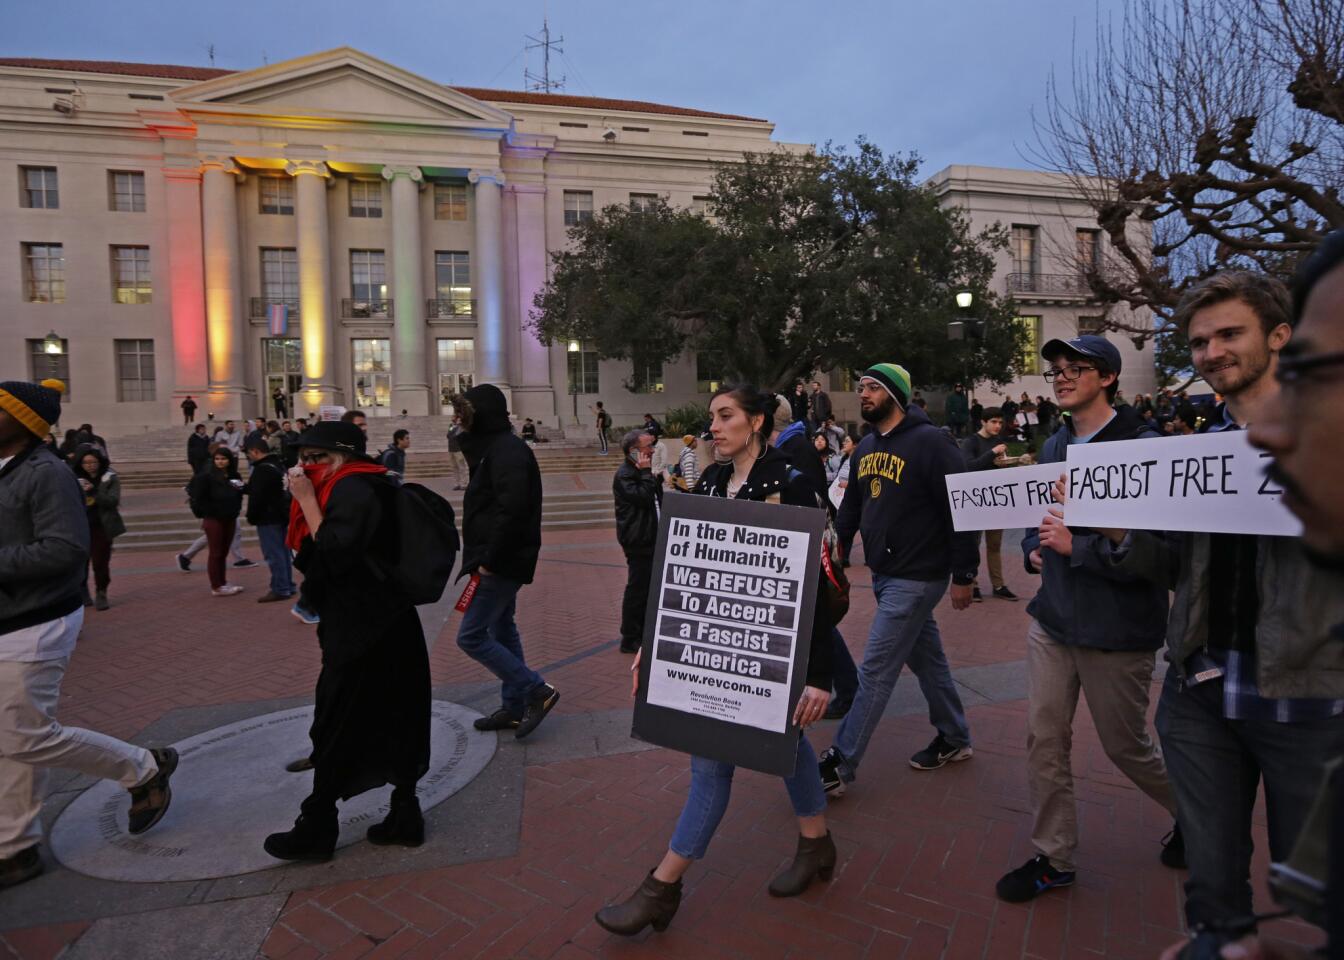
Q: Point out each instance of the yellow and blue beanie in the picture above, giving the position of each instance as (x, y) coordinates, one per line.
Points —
(35, 405)
(894, 378)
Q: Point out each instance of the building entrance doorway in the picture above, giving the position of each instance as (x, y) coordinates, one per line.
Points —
(457, 370)
(372, 361)
(282, 362)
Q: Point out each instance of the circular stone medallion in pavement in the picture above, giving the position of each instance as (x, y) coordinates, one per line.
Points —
(231, 789)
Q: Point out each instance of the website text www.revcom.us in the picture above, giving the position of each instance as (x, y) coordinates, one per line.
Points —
(730, 685)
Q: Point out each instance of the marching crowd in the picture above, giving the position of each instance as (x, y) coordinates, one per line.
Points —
(1251, 626)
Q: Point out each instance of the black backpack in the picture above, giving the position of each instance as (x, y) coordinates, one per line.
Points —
(426, 544)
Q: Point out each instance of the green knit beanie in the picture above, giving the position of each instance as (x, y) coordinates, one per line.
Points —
(894, 378)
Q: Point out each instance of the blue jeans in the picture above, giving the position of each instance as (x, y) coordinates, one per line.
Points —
(712, 784)
(273, 549)
(903, 632)
(1216, 766)
(844, 674)
(489, 636)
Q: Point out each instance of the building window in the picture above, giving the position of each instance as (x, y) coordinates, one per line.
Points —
(578, 207)
(277, 195)
(1029, 358)
(643, 202)
(708, 371)
(646, 377)
(126, 191)
(130, 275)
(457, 369)
(450, 201)
(279, 274)
(368, 275)
(37, 188)
(366, 199)
(582, 370)
(1092, 325)
(42, 365)
(452, 276)
(135, 370)
(1088, 251)
(1026, 255)
(702, 207)
(372, 360)
(44, 272)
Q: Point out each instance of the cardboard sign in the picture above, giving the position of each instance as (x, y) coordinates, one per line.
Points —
(1208, 482)
(1003, 498)
(729, 629)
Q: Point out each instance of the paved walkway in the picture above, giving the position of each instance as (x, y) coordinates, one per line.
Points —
(516, 863)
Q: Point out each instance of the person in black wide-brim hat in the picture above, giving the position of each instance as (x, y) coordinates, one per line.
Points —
(371, 721)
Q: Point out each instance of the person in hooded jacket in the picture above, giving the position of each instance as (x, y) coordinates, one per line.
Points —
(501, 541)
(216, 495)
(372, 705)
(638, 492)
(101, 488)
(747, 467)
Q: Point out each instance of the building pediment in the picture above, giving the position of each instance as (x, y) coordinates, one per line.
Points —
(341, 84)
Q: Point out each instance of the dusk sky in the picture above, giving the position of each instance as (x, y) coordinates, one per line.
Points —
(954, 81)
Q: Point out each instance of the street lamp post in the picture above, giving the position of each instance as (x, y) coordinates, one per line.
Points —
(574, 383)
(53, 348)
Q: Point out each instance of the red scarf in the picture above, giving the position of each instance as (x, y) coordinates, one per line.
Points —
(323, 479)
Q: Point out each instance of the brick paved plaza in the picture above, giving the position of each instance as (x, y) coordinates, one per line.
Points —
(517, 861)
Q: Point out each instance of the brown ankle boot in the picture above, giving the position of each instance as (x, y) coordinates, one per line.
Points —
(815, 858)
(654, 903)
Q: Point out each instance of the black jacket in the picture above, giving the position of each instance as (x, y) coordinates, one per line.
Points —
(979, 451)
(213, 496)
(394, 458)
(793, 443)
(821, 406)
(1085, 600)
(267, 498)
(897, 499)
(198, 450)
(501, 509)
(773, 479)
(638, 493)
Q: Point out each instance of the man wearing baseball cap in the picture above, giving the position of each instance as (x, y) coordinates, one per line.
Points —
(44, 544)
(1092, 630)
(897, 499)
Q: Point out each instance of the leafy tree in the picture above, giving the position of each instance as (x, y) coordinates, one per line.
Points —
(811, 261)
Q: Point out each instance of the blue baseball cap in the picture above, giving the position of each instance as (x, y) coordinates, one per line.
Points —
(1088, 345)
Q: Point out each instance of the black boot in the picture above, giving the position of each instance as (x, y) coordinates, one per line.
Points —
(654, 903)
(404, 824)
(815, 858)
(311, 839)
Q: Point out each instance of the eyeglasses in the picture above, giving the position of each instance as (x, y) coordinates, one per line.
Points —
(1070, 373)
(314, 458)
(1294, 370)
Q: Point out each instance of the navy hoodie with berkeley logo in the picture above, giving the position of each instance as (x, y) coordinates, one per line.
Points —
(897, 500)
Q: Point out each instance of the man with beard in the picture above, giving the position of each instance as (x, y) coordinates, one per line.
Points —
(501, 541)
(897, 499)
(1254, 693)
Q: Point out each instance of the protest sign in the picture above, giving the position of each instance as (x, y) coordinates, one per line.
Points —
(1208, 482)
(729, 629)
(330, 411)
(1002, 498)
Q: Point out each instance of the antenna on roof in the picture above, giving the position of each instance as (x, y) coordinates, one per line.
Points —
(544, 83)
(210, 52)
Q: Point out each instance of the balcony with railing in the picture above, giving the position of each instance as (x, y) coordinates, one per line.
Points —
(1050, 286)
(455, 308)
(261, 307)
(352, 309)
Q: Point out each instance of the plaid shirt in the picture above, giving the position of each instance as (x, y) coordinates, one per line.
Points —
(1241, 697)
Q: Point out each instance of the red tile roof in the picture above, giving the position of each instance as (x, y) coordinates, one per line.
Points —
(174, 72)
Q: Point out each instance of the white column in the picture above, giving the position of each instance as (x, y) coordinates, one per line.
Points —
(317, 334)
(226, 333)
(410, 390)
(533, 362)
(186, 282)
(492, 360)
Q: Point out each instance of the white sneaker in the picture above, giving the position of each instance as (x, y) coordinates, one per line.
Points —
(227, 590)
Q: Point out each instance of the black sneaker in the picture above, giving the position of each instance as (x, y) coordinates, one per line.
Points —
(1173, 849)
(299, 765)
(828, 765)
(184, 563)
(1031, 879)
(24, 865)
(977, 596)
(1003, 593)
(540, 703)
(939, 753)
(244, 563)
(501, 719)
(149, 801)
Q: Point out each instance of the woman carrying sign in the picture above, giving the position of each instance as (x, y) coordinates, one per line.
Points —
(746, 468)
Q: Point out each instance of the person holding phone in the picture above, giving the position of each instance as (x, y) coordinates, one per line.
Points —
(639, 494)
(216, 495)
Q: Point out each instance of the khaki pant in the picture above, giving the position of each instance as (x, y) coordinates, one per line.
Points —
(1116, 684)
(31, 740)
(993, 549)
(460, 475)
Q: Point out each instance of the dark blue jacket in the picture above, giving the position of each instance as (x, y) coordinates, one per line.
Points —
(1085, 600)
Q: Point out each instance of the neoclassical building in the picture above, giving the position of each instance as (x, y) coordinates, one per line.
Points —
(331, 228)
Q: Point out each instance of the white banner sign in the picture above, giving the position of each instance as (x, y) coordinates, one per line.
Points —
(1209, 482)
(1002, 498)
